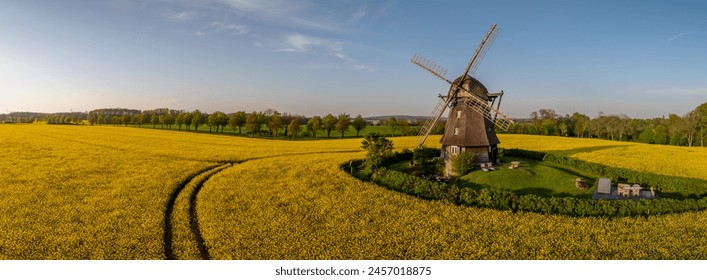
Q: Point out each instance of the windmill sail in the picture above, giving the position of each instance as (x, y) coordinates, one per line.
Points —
(427, 127)
(484, 47)
(495, 116)
(432, 67)
(475, 102)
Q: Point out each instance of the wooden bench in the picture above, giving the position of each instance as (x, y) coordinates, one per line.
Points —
(514, 164)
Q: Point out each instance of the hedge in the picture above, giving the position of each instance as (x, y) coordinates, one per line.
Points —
(691, 191)
(506, 200)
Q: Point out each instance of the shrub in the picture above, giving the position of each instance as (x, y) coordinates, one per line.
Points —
(379, 148)
(427, 161)
(463, 163)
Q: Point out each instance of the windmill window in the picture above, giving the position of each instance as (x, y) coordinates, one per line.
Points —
(454, 150)
(459, 114)
(456, 131)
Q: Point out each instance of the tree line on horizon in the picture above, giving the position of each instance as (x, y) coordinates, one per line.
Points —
(257, 123)
(687, 130)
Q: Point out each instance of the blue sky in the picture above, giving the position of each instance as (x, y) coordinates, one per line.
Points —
(640, 58)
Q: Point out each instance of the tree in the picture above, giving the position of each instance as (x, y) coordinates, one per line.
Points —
(154, 120)
(342, 124)
(125, 120)
(404, 126)
(660, 134)
(690, 126)
(187, 120)
(211, 122)
(252, 125)
(237, 119)
(392, 124)
(701, 112)
(675, 129)
(221, 120)
(329, 123)
(581, 124)
(168, 120)
(232, 122)
(548, 127)
(547, 114)
(180, 121)
(647, 136)
(91, 120)
(286, 119)
(314, 125)
(217, 119)
(116, 120)
(141, 119)
(163, 120)
(293, 127)
(537, 122)
(134, 119)
(563, 129)
(196, 120)
(359, 124)
(274, 123)
(378, 147)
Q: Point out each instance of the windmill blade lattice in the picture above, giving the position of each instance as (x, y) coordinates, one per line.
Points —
(482, 106)
(432, 67)
(485, 45)
(427, 127)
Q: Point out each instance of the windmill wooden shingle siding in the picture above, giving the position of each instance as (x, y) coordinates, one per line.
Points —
(470, 127)
(468, 130)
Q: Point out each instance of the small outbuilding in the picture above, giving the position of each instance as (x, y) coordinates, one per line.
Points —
(604, 186)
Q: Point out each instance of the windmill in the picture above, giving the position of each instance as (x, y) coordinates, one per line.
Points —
(472, 116)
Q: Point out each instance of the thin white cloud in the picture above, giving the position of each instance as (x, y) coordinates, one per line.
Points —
(199, 33)
(236, 29)
(301, 43)
(678, 36)
(309, 44)
(282, 12)
(303, 14)
(180, 16)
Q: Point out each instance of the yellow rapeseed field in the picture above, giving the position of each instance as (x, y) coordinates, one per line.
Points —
(659, 159)
(83, 192)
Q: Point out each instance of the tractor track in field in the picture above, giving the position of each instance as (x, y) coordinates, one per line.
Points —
(197, 179)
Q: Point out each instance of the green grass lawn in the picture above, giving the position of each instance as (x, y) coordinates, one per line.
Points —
(533, 177)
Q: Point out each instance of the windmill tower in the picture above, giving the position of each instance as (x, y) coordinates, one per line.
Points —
(470, 126)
